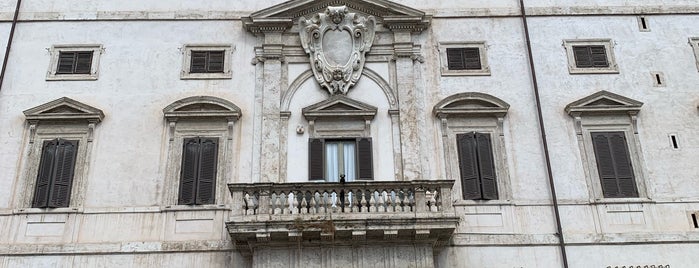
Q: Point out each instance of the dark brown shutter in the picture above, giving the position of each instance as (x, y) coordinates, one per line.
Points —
(472, 58)
(43, 180)
(83, 62)
(468, 58)
(66, 61)
(470, 185)
(622, 162)
(316, 149)
(64, 168)
(364, 159)
(614, 165)
(598, 55)
(206, 184)
(583, 59)
(215, 60)
(590, 56)
(489, 187)
(188, 177)
(198, 62)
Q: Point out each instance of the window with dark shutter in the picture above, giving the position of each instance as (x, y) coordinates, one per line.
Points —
(467, 58)
(207, 61)
(614, 164)
(55, 175)
(331, 159)
(590, 57)
(74, 62)
(477, 166)
(198, 175)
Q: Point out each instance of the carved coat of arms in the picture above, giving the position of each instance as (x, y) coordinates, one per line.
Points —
(336, 42)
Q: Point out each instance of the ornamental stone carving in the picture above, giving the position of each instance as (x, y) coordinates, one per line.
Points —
(337, 41)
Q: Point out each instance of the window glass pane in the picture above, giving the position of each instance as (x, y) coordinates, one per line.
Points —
(332, 172)
(349, 161)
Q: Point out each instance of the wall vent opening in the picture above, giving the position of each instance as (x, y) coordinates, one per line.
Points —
(643, 24)
(694, 220)
(674, 141)
(658, 79)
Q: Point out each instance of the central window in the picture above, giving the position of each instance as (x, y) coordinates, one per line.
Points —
(333, 159)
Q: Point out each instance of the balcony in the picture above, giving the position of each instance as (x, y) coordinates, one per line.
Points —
(291, 214)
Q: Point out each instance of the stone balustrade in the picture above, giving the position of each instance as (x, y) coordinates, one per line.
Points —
(265, 213)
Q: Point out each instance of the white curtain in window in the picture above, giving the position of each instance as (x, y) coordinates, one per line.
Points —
(350, 166)
(332, 174)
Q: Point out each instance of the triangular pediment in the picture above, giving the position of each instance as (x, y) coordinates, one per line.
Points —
(202, 107)
(282, 16)
(64, 109)
(471, 104)
(339, 106)
(603, 102)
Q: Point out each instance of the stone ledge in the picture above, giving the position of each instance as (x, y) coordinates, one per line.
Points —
(137, 247)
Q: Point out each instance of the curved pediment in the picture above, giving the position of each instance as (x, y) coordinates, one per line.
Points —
(339, 106)
(64, 109)
(202, 107)
(604, 102)
(282, 16)
(471, 104)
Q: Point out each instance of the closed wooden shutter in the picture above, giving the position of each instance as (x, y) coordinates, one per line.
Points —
(614, 165)
(468, 165)
(198, 62)
(43, 180)
(316, 149)
(215, 62)
(489, 187)
(83, 62)
(590, 56)
(188, 177)
(463, 58)
(64, 168)
(66, 61)
(206, 184)
(364, 159)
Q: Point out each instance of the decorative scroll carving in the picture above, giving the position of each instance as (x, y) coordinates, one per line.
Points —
(337, 42)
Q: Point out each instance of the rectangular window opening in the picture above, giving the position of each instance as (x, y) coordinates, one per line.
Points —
(74, 62)
(55, 175)
(643, 24)
(337, 160)
(694, 220)
(198, 174)
(207, 61)
(614, 164)
(673, 141)
(477, 166)
(465, 58)
(593, 56)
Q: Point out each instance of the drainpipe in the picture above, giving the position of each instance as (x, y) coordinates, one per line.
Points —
(542, 128)
(9, 43)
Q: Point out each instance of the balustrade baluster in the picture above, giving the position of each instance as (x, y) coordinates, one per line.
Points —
(433, 201)
(313, 208)
(380, 206)
(365, 207)
(389, 202)
(304, 204)
(276, 204)
(284, 203)
(295, 203)
(372, 202)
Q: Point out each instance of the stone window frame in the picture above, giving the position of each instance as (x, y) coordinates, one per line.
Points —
(216, 119)
(56, 50)
(694, 43)
(608, 47)
(598, 113)
(187, 49)
(474, 112)
(482, 50)
(61, 118)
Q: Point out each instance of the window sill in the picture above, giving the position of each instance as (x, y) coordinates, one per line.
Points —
(205, 76)
(71, 77)
(481, 72)
(630, 200)
(466, 203)
(194, 208)
(575, 70)
(47, 210)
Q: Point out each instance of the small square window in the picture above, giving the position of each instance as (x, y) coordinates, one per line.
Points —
(74, 62)
(333, 159)
(465, 58)
(207, 62)
(590, 56)
(694, 42)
